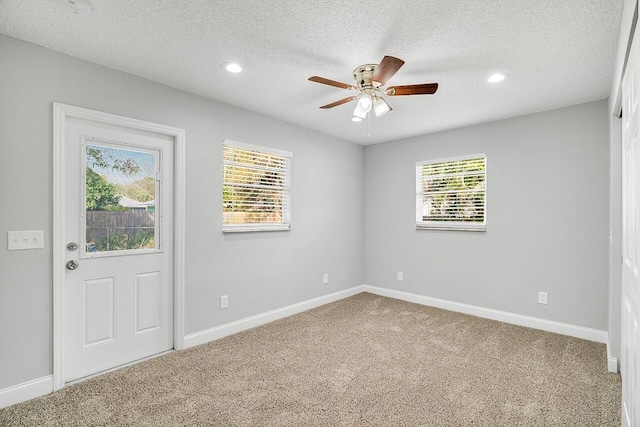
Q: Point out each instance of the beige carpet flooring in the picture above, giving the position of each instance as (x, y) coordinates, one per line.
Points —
(361, 361)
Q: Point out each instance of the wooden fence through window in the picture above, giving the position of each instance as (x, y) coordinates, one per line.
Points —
(102, 224)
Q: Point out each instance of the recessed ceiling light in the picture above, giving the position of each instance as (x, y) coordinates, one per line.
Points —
(232, 67)
(496, 78)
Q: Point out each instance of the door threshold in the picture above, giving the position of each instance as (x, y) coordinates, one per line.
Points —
(135, 362)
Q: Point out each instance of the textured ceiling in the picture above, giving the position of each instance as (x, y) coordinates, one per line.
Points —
(555, 53)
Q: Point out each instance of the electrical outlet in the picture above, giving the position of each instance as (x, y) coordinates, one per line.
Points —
(400, 275)
(224, 302)
(542, 297)
(325, 278)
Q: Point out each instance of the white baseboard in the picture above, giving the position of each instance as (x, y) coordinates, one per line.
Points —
(502, 316)
(221, 331)
(26, 391)
(42, 386)
(612, 362)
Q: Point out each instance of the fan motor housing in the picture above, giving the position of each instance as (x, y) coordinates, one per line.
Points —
(363, 75)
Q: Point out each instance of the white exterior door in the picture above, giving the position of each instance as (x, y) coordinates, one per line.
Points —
(118, 237)
(630, 366)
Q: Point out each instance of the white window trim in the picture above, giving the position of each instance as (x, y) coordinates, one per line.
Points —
(262, 148)
(247, 228)
(454, 226)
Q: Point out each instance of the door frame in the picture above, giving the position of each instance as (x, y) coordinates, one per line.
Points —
(62, 112)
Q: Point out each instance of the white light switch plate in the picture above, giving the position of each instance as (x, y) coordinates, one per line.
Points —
(30, 239)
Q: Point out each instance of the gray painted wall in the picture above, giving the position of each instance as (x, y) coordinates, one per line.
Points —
(259, 271)
(544, 169)
(547, 217)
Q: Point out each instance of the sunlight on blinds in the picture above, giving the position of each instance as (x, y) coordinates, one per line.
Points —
(255, 194)
(451, 194)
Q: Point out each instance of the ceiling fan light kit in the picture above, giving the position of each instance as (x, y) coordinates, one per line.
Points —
(365, 102)
(369, 81)
(359, 112)
(380, 107)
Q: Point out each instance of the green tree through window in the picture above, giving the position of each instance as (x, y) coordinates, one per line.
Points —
(101, 194)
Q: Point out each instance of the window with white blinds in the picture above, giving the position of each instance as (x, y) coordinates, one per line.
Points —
(451, 193)
(255, 194)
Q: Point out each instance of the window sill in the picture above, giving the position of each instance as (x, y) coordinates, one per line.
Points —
(243, 228)
(452, 227)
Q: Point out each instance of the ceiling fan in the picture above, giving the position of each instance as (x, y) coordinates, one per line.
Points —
(369, 81)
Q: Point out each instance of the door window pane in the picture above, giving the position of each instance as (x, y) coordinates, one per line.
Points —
(120, 199)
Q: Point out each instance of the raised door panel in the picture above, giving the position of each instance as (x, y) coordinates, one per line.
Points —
(98, 311)
(148, 301)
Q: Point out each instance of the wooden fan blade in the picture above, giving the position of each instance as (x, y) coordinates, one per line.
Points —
(330, 82)
(422, 89)
(387, 68)
(342, 101)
